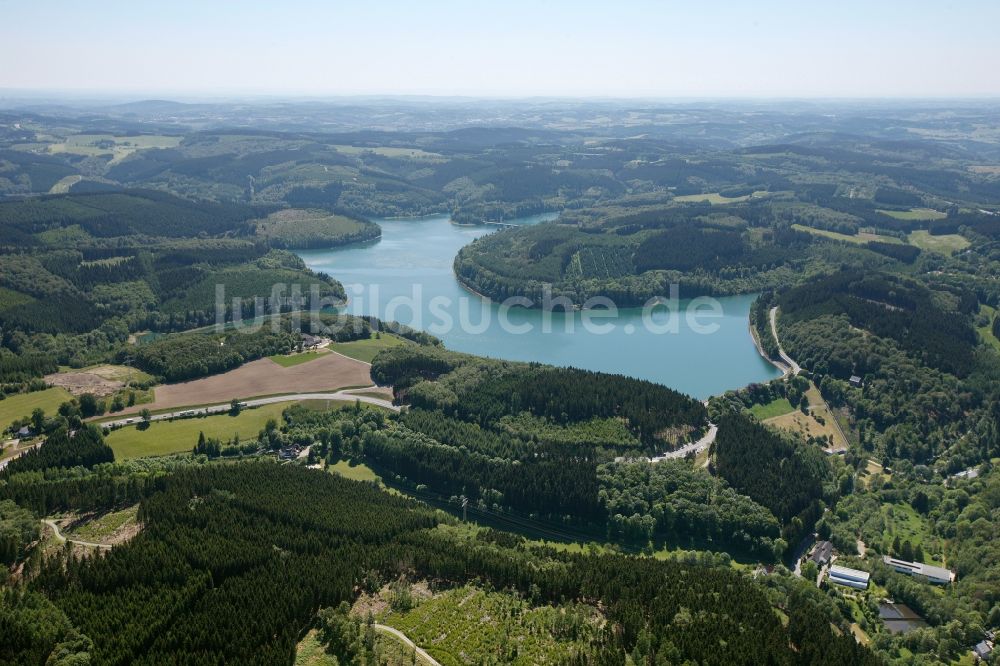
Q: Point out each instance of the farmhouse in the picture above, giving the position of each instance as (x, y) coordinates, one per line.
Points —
(931, 573)
(970, 473)
(848, 577)
(24, 432)
(822, 553)
(983, 650)
(311, 341)
(290, 452)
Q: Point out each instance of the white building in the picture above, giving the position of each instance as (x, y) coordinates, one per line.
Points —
(931, 573)
(848, 577)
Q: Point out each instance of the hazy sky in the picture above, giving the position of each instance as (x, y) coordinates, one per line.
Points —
(876, 48)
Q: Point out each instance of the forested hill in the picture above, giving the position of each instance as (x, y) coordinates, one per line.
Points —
(927, 381)
(771, 468)
(571, 447)
(484, 391)
(891, 307)
(234, 560)
(119, 214)
(80, 273)
(631, 257)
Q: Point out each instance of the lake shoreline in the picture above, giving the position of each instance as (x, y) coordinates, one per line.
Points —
(410, 277)
(763, 354)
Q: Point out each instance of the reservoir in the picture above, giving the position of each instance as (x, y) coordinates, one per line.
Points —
(407, 276)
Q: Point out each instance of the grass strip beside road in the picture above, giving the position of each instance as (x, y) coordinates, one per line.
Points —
(180, 435)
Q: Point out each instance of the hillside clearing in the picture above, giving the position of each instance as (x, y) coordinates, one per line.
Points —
(915, 214)
(311, 652)
(985, 331)
(354, 472)
(772, 409)
(469, 625)
(112, 527)
(808, 425)
(366, 350)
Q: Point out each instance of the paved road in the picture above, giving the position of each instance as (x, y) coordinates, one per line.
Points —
(401, 636)
(7, 461)
(256, 402)
(781, 352)
(693, 447)
(63, 539)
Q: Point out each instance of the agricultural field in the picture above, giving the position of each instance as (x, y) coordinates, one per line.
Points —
(778, 407)
(945, 244)
(365, 350)
(291, 360)
(119, 147)
(166, 437)
(713, 198)
(328, 372)
(21, 405)
(390, 151)
(468, 625)
(861, 237)
(915, 214)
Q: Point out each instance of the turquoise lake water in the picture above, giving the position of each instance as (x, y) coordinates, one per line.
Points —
(407, 277)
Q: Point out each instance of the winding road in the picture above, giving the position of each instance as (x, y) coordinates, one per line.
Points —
(346, 395)
(63, 539)
(792, 365)
(401, 636)
(693, 447)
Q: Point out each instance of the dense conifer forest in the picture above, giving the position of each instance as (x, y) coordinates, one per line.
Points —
(226, 567)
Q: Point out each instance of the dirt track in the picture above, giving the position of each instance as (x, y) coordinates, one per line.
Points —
(262, 377)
